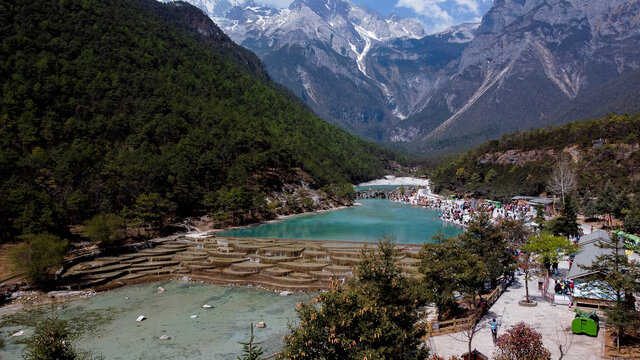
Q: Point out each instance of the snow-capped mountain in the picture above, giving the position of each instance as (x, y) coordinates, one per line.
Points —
(383, 78)
(216, 9)
(330, 50)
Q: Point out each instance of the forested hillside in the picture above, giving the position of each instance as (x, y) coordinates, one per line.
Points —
(114, 107)
(601, 151)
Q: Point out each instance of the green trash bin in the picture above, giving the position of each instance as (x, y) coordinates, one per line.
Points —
(585, 322)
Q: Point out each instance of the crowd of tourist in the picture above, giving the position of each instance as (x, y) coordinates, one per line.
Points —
(460, 212)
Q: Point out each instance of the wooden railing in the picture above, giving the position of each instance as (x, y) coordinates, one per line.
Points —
(435, 328)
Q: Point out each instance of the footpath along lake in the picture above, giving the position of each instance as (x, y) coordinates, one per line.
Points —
(368, 222)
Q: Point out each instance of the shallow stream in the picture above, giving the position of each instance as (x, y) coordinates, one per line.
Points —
(108, 321)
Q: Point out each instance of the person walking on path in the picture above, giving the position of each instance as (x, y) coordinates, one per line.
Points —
(494, 329)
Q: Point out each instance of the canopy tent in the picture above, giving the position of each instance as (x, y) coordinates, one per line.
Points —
(595, 289)
(636, 240)
(497, 203)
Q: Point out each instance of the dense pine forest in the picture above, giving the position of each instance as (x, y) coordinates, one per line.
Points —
(602, 151)
(117, 107)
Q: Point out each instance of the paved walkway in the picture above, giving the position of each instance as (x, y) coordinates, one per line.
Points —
(551, 321)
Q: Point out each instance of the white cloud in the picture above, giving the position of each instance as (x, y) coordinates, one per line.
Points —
(472, 5)
(276, 3)
(437, 15)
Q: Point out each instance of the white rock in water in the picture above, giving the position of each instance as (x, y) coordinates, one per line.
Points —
(206, 306)
(19, 333)
(194, 316)
(261, 325)
(165, 337)
(141, 318)
(161, 289)
(286, 293)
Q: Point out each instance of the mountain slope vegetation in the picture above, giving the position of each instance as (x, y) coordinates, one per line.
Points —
(109, 106)
(602, 150)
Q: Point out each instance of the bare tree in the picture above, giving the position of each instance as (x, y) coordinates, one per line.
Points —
(563, 340)
(469, 333)
(563, 178)
(527, 263)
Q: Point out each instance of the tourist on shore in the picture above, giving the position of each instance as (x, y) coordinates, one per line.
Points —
(494, 329)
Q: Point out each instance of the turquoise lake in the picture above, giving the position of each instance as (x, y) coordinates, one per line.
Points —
(368, 222)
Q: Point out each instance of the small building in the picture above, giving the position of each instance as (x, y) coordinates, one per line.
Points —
(598, 143)
(588, 293)
(521, 200)
(588, 253)
(547, 202)
(475, 355)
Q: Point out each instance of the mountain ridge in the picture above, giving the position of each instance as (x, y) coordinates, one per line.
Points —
(518, 68)
(112, 107)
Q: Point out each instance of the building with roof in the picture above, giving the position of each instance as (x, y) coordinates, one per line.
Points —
(588, 253)
(588, 292)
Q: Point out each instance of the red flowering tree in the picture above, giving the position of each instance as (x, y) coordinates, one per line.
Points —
(521, 342)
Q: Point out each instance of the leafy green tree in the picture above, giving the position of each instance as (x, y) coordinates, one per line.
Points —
(340, 192)
(448, 270)
(550, 248)
(251, 350)
(149, 207)
(105, 229)
(491, 175)
(38, 256)
(373, 315)
(521, 342)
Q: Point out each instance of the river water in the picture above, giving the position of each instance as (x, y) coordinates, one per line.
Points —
(108, 322)
(368, 222)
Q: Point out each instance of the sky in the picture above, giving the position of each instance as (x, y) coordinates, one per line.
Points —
(436, 15)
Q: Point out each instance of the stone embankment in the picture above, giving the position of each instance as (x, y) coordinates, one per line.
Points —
(272, 263)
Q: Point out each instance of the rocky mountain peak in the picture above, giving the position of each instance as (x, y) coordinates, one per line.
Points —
(525, 61)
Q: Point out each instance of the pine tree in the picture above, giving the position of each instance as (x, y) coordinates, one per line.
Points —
(250, 349)
(608, 200)
(374, 315)
(614, 269)
(567, 223)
